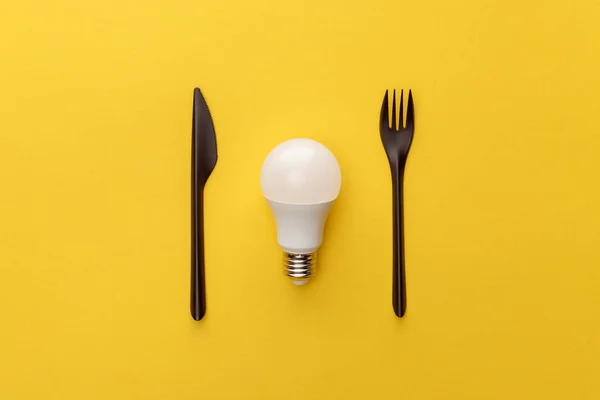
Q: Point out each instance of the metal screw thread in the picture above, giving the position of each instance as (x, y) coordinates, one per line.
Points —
(299, 267)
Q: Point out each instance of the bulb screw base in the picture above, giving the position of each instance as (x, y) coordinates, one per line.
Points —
(299, 267)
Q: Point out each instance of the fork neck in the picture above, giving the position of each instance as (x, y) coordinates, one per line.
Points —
(397, 163)
(397, 175)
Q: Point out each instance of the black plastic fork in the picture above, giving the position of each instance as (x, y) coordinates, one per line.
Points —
(396, 141)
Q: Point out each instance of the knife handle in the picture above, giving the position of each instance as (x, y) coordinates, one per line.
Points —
(398, 275)
(198, 295)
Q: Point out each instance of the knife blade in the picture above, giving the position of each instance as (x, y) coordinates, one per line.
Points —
(204, 159)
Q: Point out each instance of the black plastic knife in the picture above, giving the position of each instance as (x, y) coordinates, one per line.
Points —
(204, 159)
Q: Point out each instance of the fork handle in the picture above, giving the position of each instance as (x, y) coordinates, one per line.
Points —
(399, 281)
(198, 292)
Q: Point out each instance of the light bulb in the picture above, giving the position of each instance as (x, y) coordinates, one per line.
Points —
(300, 179)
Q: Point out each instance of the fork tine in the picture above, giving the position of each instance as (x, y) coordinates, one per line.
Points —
(401, 112)
(384, 116)
(410, 112)
(394, 111)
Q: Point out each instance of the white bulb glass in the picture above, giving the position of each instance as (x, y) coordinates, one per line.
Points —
(300, 179)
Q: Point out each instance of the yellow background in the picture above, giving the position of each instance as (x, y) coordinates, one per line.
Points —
(502, 194)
